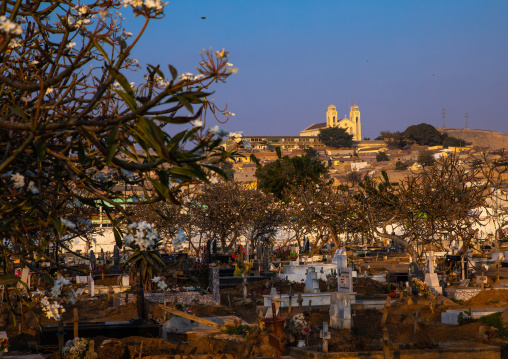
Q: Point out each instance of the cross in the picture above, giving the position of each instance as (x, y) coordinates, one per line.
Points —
(416, 320)
(300, 301)
(385, 313)
(431, 259)
(325, 335)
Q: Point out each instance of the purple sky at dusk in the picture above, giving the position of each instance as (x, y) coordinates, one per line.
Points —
(399, 61)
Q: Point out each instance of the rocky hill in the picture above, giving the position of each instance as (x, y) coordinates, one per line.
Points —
(482, 138)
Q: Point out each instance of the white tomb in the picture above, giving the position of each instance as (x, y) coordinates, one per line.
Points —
(431, 277)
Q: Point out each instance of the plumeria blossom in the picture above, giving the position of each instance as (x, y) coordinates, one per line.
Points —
(49, 90)
(156, 5)
(52, 309)
(236, 136)
(142, 235)
(218, 132)
(229, 114)
(160, 283)
(197, 123)
(70, 45)
(126, 34)
(57, 287)
(9, 27)
(186, 77)
(179, 239)
(18, 180)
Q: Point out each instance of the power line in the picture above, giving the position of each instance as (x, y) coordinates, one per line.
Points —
(444, 117)
(466, 116)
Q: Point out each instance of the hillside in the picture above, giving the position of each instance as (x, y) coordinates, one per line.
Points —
(482, 138)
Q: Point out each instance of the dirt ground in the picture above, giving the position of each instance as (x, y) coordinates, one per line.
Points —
(367, 328)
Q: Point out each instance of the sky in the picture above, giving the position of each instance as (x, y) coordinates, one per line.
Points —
(401, 62)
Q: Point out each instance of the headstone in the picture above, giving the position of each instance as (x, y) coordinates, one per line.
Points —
(431, 278)
(81, 279)
(326, 336)
(116, 256)
(125, 281)
(92, 259)
(266, 261)
(91, 286)
(213, 280)
(102, 255)
(25, 278)
(214, 247)
(415, 272)
(311, 282)
(340, 310)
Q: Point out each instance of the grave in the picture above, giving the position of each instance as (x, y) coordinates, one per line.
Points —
(340, 301)
(431, 277)
(297, 273)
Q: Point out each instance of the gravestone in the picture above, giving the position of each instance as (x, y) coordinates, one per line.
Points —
(92, 259)
(311, 283)
(266, 261)
(116, 256)
(25, 278)
(91, 286)
(103, 258)
(415, 272)
(214, 283)
(340, 302)
(431, 278)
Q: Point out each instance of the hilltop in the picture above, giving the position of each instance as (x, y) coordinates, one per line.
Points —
(481, 138)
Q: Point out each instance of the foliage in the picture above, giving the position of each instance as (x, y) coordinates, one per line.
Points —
(440, 199)
(285, 253)
(496, 320)
(300, 326)
(238, 328)
(332, 281)
(400, 166)
(278, 176)
(423, 135)
(382, 156)
(335, 137)
(450, 141)
(426, 158)
(4, 344)
(72, 125)
(394, 140)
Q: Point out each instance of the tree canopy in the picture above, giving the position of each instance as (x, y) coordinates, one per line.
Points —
(276, 177)
(335, 137)
(423, 135)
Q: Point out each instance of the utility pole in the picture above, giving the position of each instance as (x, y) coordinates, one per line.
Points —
(466, 116)
(444, 118)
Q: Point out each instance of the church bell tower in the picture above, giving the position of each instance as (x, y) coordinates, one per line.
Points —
(331, 116)
(354, 116)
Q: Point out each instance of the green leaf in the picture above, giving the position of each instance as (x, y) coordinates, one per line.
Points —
(129, 100)
(9, 279)
(159, 187)
(112, 143)
(18, 112)
(40, 148)
(173, 71)
(99, 47)
(118, 237)
(185, 102)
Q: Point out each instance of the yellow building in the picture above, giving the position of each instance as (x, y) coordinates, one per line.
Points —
(352, 125)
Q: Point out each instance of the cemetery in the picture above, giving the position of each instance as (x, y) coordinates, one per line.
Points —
(348, 312)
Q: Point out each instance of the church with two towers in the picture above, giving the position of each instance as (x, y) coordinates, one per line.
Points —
(352, 125)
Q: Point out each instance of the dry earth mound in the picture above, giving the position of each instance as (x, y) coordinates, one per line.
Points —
(481, 138)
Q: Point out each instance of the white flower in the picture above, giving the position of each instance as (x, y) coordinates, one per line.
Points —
(70, 45)
(32, 188)
(82, 10)
(52, 309)
(186, 77)
(198, 77)
(18, 179)
(67, 223)
(233, 70)
(197, 123)
(229, 114)
(9, 27)
(126, 34)
(15, 43)
(49, 90)
(229, 64)
(34, 62)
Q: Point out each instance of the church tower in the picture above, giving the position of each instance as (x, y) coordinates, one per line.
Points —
(354, 116)
(331, 116)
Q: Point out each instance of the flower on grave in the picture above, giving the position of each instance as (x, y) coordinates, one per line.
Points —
(4, 344)
(160, 283)
(76, 348)
(305, 331)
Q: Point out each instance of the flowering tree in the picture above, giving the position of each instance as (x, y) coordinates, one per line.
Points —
(72, 125)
